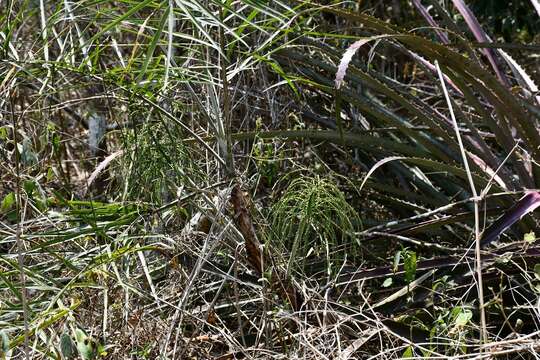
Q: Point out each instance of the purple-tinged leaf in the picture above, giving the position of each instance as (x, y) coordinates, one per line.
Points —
(433, 69)
(488, 170)
(424, 12)
(523, 78)
(536, 5)
(521, 75)
(351, 50)
(349, 53)
(346, 59)
(481, 36)
(525, 205)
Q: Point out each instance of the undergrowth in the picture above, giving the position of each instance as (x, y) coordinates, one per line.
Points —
(247, 179)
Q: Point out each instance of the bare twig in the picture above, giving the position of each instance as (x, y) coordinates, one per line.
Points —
(477, 235)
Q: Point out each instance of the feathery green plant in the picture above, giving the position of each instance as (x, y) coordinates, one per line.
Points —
(313, 219)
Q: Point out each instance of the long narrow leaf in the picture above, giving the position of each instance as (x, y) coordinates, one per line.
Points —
(525, 205)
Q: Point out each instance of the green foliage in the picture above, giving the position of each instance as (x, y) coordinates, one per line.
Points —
(8, 202)
(5, 352)
(188, 89)
(267, 160)
(313, 219)
(408, 353)
(387, 282)
(513, 20)
(434, 146)
(159, 163)
(67, 346)
(85, 345)
(409, 264)
(453, 323)
(529, 237)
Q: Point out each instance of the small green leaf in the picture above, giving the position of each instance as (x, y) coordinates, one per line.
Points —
(3, 133)
(409, 265)
(7, 203)
(67, 347)
(537, 271)
(4, 339)
(387, 283)
(463, 317)
(56, 143)
(85, 345)
(50, 174)
(529, 237)
(408, 353)
(29, 186)
(80, 335)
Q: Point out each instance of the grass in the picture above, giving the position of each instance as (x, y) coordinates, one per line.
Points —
(185, 179)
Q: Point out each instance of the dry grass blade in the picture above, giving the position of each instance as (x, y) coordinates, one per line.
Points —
(477, 233)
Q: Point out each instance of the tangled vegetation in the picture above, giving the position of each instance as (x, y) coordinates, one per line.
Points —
(269, 179)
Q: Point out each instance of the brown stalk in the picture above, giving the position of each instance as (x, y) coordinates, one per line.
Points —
(255, 255)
